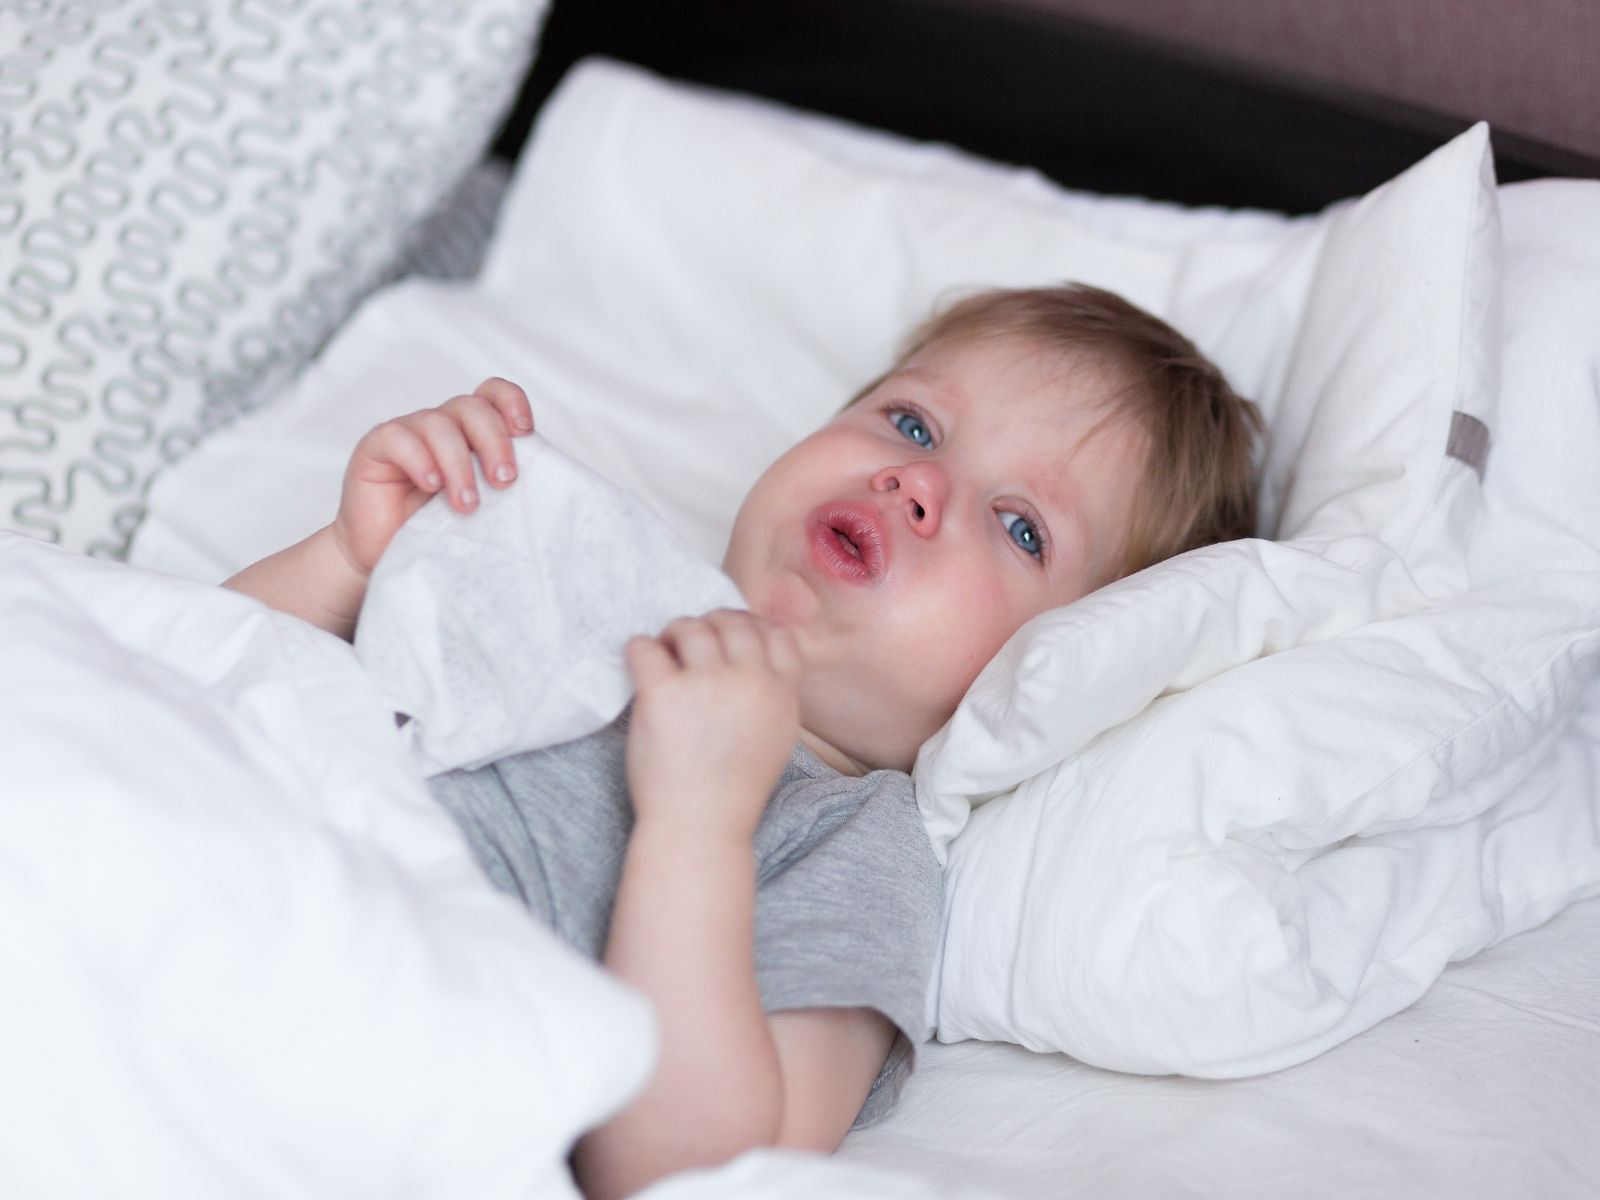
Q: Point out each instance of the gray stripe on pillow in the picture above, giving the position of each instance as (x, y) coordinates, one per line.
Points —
(1469, 441)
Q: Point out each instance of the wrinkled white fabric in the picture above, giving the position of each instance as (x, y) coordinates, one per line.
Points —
(243, 952)
(501, 630)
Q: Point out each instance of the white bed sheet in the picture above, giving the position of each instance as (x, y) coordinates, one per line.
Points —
(1485, 1089)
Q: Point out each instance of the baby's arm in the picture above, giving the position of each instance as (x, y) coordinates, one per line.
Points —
(714, 722)
(395, 468)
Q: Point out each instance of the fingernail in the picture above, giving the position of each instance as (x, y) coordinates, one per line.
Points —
(434, 479)
(469, 496)
(505, 472)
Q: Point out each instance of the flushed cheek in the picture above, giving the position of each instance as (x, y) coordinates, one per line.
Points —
(961, 630)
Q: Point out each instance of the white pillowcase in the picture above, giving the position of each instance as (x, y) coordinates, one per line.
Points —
(1541, 509)
(195, 197)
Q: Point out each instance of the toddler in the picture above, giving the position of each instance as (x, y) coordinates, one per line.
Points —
(743, 844)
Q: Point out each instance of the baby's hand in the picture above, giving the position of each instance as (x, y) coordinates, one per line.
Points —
(715, 720)
(398, 465)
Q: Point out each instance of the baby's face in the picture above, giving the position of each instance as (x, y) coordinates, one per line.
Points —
(907, 539)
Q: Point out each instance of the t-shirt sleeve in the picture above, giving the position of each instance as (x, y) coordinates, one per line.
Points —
(847, 909)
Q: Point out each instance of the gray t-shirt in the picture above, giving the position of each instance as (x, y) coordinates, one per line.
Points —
(848, 891)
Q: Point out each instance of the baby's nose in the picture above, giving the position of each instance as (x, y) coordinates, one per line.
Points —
(922, 487)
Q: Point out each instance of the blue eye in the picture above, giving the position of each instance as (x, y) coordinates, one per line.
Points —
(1023, 532)
(914, 428)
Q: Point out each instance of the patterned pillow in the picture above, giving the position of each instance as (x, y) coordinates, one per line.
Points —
(192, 195)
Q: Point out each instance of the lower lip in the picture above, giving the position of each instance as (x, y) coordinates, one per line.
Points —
(828, 552)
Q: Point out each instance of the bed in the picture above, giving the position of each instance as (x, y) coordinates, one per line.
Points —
(1212, 928)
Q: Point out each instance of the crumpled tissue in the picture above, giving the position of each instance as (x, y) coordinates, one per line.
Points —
(501, 630)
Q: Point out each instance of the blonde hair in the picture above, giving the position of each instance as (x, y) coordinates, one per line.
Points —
(1200, 483)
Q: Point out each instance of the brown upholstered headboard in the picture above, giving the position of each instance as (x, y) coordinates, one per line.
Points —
(1528, 68)
(1092, 107)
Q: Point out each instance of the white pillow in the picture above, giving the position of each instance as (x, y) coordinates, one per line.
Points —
(1540, 511)
(195, 198)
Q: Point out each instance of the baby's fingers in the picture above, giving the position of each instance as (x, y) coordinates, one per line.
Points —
(750, 640)
(484, 427)
(694, 643)
(447, 442)
(783, 652)
(743, 639)
(395, 445)
(649, 661)
(510, 401)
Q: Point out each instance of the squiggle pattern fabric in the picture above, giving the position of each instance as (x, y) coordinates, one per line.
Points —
(193, 193)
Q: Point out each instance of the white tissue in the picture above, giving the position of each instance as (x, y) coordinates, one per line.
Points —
(502, 630)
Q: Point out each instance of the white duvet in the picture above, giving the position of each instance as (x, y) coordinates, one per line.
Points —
(244, 952)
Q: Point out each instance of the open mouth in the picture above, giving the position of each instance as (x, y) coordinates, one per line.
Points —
(847, 541)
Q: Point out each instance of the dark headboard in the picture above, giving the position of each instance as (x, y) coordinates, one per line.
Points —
(1092, 108)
